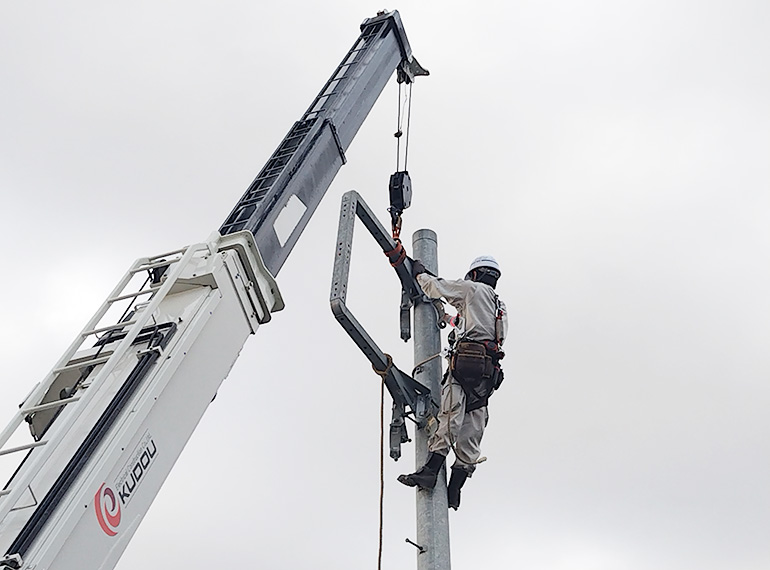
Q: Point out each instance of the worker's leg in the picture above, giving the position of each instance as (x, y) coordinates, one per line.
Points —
(456, 482)
(427, 475)
(468, 442)
(467, 451)
(450, 420)
(450, 417)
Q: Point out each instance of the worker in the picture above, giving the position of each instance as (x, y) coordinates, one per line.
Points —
(474, 372)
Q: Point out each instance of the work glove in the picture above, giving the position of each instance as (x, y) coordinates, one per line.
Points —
(418, 267)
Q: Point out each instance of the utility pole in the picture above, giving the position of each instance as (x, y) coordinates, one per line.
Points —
(418, 394)
(432, 515)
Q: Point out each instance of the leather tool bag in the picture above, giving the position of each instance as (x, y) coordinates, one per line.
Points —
(471, 364)
(476, 371)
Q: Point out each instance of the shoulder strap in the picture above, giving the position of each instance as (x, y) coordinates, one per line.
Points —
(499, 331)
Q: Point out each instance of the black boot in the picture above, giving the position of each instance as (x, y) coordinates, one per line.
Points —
(426, 476)
(456, 482)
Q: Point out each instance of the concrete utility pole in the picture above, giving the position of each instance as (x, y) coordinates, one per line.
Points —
(432, 515)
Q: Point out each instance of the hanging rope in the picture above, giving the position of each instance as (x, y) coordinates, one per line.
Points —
(419, 365)
(382, 374)
(382, 470)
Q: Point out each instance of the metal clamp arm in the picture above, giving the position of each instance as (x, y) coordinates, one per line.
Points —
(405, 390)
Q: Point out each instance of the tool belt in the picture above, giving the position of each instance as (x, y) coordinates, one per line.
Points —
(477, 371)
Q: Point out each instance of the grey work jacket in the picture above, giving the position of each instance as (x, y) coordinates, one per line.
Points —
(474, 301)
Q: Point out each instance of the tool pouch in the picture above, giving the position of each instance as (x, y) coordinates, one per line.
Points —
(497, 377)
(476, 371)
(470, 363)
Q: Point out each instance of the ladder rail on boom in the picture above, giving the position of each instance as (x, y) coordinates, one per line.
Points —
(311, 154)
(10, 496)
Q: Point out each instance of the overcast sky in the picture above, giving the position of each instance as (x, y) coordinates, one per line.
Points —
(613, 156)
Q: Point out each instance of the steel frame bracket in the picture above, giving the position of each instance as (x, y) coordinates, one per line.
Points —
(405, 390)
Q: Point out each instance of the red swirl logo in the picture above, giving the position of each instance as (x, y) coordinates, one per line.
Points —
(107, 510)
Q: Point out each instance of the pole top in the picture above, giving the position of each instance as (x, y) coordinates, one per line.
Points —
(424, 233)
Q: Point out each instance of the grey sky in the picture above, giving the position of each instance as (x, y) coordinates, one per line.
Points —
(612, 155)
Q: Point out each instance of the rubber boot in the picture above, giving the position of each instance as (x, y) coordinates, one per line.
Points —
(426, 476)
(456, 482)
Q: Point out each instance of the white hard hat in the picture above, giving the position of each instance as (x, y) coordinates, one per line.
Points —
(484, 261)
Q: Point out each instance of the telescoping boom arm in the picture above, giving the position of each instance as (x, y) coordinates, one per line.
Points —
(109, 421)
(281, 200)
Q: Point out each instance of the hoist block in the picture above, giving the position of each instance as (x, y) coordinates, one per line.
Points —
(400, 191)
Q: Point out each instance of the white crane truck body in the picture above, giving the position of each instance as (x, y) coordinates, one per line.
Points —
(111, 418)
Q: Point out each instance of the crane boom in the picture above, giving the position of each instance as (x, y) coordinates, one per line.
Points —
(111, 418)
(279, 203)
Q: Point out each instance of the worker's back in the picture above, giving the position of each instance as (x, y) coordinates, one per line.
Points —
(475, 301)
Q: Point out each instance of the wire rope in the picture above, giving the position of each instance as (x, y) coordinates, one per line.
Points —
(398, 132)
(408, 124)
(404, 99)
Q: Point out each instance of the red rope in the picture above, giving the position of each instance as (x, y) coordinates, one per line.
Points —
(397, 255)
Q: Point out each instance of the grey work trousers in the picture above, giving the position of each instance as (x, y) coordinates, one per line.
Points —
(457, 430)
